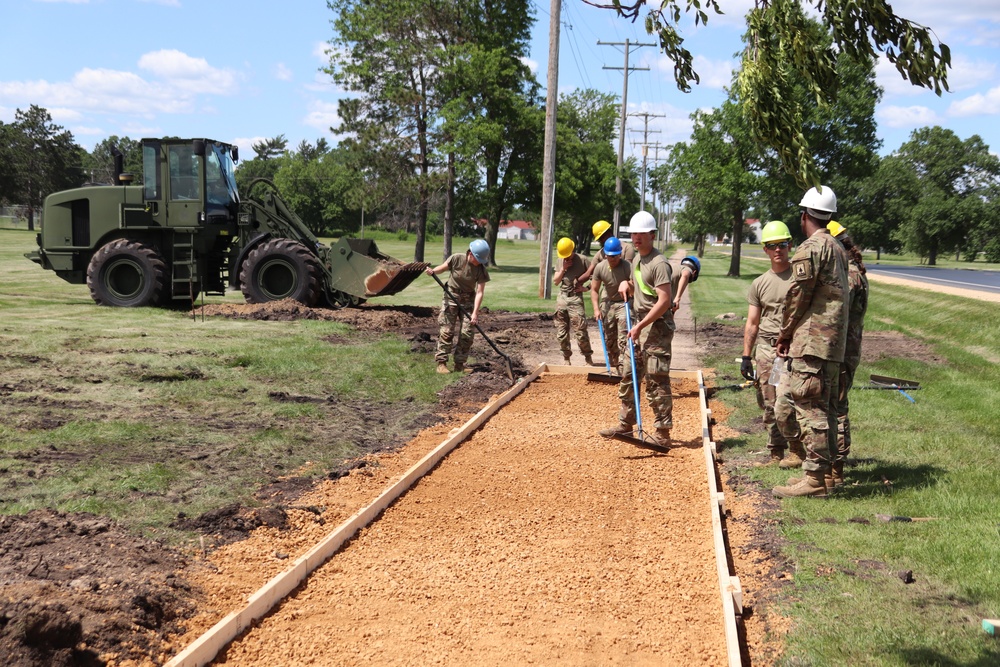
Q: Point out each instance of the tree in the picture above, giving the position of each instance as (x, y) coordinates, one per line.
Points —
(269, 149)
(43, 158)
(780, 53)
(99, 165)
(717, 174)
(384, 52)
(953, 179)
(884, 201)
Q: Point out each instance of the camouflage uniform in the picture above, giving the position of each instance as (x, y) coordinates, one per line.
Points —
(654, 348)
(570, 312)
(852, 355)
(814, 324)
(767, 292)
(613, 308)
(462, 284)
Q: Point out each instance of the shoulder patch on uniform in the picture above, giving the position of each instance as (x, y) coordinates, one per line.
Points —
(802, 270)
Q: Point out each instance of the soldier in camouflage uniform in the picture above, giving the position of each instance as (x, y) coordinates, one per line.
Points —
(852, 354)
(766, 298)
(813, 337)
(609, 274)
(570, 310)
(652, 333)
(467, 285)
(602, 234)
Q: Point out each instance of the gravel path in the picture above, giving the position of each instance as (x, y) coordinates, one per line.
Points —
(535, 541)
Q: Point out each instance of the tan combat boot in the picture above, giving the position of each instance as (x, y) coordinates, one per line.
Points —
(442, 369)
(461, 368)
(796, 455)
(662, 437)
(774, 457)
(566, 358)
(813, 484)
(589, 359)
(836, 478)
(618, 429)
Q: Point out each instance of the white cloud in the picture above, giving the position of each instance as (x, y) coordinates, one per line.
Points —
(187, 73)
(83, 130)
(322, 115)
(246, 146)
(965, 74)
(914, 116)
(530, 64)
(282, 72)
(977, 105)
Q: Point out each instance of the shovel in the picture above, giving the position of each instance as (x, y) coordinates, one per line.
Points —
(886, 382)
(510, 364)
(606, 378)
(628, 437)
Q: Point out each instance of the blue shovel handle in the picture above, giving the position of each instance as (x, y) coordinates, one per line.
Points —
(635, 377)
(604, 346)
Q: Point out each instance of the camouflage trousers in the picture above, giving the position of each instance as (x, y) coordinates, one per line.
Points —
(805, 408)
(570, 315)
(844, 385)
(451, 321)
(652, 361)
(613, 316)
(766, 394)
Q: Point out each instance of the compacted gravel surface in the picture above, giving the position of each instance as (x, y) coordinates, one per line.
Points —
(534, 542)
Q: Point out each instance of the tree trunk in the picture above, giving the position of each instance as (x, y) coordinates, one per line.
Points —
(449, 207)
(932, 254)
(734, 258)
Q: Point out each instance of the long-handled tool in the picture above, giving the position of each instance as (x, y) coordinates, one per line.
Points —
(628, 437)
(510, 364)
(606, 378)
(886, 382)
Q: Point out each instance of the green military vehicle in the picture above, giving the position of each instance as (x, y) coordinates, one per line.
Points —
(187, 231)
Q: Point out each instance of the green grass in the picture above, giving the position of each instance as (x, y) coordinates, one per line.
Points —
(151, 382)
(848, 605)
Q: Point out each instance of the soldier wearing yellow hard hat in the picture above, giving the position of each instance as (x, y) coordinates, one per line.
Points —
(858, 299)
(765, 298)
(571, 314)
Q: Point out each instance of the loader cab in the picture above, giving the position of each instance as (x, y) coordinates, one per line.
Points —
(189, 183)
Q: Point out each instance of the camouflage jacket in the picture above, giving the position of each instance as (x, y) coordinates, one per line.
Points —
(856, 313)
(815, 313)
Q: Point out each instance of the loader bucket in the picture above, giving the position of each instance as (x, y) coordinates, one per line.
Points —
(359, 269)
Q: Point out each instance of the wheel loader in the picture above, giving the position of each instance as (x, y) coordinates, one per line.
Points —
(186, 231)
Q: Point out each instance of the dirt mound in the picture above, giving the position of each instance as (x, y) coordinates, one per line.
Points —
(77, 587)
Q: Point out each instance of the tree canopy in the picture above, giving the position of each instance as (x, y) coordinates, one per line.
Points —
(781, 52)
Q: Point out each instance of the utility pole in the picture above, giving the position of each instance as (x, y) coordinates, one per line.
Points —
(645, 145)
(549, 159)
(621, 131)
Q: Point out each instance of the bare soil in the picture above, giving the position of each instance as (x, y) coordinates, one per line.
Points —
(76, 589)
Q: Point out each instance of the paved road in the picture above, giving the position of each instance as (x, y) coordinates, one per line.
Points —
(983, 281)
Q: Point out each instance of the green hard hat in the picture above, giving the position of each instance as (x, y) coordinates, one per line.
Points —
(775, 230)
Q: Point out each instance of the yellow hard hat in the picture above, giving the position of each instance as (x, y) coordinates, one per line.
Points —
(775, 230)
(565, 248)
(836, 228)
(599, 228)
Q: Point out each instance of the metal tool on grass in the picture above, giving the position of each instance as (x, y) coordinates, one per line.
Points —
(607, 378)
(639, 441)
(510, 364)
(898, 384)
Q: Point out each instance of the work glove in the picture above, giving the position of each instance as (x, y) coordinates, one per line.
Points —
(746, 369)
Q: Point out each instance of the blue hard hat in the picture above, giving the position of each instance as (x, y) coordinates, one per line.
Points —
(612, 247)
(480, 249)
(692, 263)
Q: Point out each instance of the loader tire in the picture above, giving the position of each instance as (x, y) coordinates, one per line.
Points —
(281, 269)
(127, 274)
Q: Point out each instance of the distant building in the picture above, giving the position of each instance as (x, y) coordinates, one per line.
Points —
(517, 230)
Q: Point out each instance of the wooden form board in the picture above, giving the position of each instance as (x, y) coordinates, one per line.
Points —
(206, 647)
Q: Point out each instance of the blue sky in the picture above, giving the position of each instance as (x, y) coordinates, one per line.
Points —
(240, 71)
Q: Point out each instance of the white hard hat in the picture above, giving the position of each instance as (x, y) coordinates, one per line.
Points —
(643, 221)
(820, 205)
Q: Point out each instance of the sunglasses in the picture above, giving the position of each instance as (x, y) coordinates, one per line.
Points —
(775, 246)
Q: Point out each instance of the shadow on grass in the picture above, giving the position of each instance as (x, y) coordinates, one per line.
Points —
(990, 657)
(881, 477)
